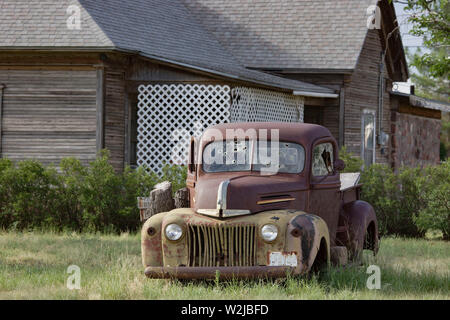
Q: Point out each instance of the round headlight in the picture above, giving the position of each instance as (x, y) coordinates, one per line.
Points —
(173, 232)
(269, 232)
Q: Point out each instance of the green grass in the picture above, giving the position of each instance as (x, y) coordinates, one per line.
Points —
(34, 266)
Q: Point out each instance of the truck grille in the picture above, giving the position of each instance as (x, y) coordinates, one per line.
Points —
(213, 245)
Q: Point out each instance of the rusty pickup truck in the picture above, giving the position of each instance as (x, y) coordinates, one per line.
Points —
(266, 200)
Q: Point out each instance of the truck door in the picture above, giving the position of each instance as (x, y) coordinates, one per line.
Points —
(324, 198)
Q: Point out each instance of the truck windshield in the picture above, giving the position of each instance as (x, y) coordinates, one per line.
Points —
(249, 155)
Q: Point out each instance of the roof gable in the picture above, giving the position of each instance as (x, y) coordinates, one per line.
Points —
(288, 34)
(33, 23)
(158, 29)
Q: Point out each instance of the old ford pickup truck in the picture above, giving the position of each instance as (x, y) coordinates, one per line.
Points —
(266, 200)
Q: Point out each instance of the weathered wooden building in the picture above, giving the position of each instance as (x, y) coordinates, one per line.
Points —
(124, 77)
(136, 76)
(335, 44)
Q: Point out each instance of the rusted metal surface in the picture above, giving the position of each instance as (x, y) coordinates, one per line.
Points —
(221, 245)
(209, 242)
(224, 273)
(361, 230)
(222, 229)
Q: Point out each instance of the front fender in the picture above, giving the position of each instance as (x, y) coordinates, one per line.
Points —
(308, 234)
(360, 218)
(151, 245)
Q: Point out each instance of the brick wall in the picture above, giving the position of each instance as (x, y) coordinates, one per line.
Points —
(414, 140)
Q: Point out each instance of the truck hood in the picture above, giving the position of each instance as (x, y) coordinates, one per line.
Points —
(246, 194)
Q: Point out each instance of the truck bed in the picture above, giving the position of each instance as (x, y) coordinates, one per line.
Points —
(350, 186)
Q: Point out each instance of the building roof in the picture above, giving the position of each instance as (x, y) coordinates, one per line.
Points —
(288, 34)
(158, 29)
(421, 102)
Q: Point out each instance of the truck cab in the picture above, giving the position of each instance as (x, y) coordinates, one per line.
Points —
(266, 199)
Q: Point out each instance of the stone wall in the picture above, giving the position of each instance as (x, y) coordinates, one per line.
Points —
(414, 140)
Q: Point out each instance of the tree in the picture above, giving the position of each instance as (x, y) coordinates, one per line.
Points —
(430, 20)
(428, 84)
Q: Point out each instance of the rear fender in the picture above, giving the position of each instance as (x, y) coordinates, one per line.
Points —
(360, 217)
(307, 234)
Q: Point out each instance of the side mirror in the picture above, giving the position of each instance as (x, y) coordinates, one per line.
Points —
(339, 165)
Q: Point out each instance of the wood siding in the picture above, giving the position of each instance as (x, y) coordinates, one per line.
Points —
(114, 125)
(48, 114)
(361, 92)
(329, 107)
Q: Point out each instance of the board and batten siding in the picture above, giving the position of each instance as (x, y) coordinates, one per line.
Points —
(49, 114)
(114, 126)
(362, 93)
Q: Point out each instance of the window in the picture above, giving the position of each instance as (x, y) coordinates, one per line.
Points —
(368, 137)
(322, 162)
(222, 156)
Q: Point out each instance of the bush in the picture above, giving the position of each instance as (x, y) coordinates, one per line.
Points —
(352, 163)
(92, 198)
(411, 202)
(175, 174)
(434, 188)
(380, 189)
(28, 194)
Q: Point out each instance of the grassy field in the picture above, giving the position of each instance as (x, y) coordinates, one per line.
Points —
(34, 266)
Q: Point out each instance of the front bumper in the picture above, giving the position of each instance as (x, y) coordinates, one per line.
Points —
(225, 273)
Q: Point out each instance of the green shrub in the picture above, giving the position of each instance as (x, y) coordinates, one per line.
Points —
(135, 183)
(175, 174)
(353, 163)
(410, 202)
(92, 198)
(434, 186)
(380, 189)
(28, 195)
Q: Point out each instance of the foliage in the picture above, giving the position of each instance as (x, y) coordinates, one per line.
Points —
(410, 202)
(380, 189)
(80, 198)
(431, 21)
(27, 194)
(427, 84)
(176, 175)
(435, 193)
(445, 136)
(352, 162)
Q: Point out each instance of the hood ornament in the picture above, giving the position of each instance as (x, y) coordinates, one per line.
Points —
(221, 210)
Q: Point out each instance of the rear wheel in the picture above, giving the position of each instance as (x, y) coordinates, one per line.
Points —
(321, 261)
(368, 243)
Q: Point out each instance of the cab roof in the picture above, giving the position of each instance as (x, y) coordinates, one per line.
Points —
(303, 133)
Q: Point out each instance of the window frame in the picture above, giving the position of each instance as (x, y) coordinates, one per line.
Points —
(252, 143)
(316, 144)
(363, 135)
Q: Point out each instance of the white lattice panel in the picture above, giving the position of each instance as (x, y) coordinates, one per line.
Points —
(168, 115)
(254, 105)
